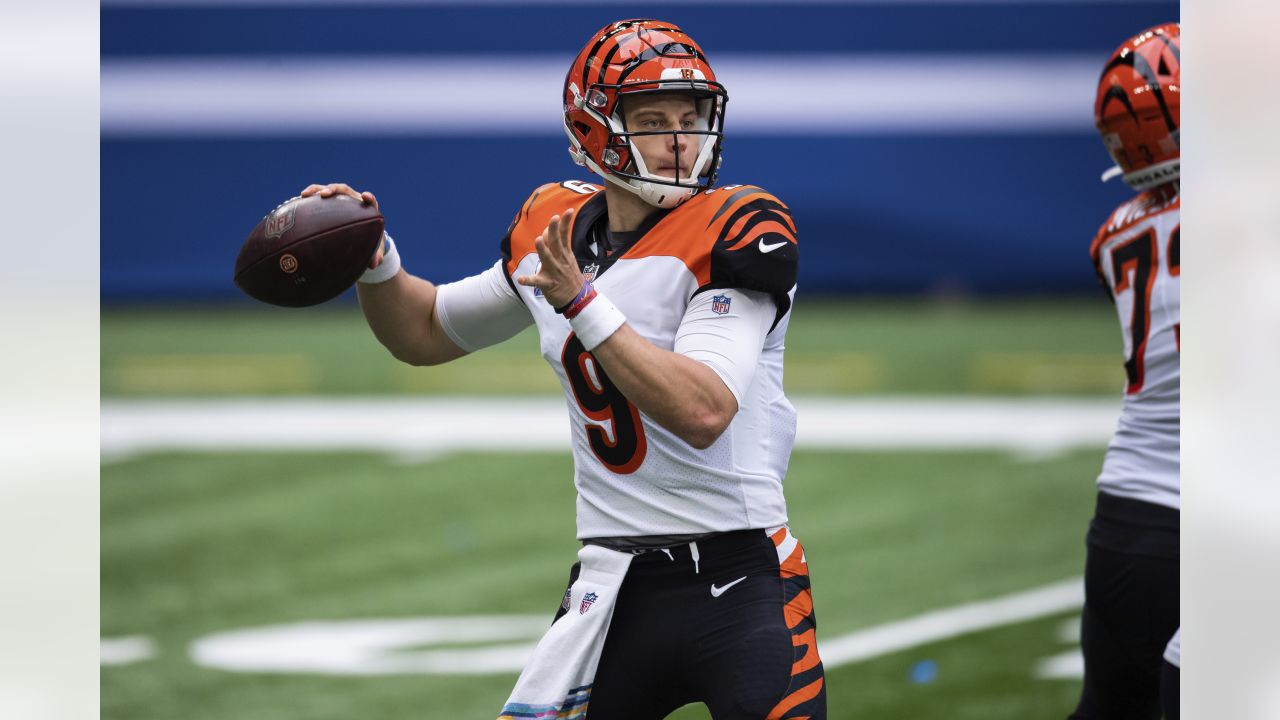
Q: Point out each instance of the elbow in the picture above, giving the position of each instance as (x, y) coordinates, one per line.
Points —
(423, 360)
(416, 356)
(424, 349)
(705, 427)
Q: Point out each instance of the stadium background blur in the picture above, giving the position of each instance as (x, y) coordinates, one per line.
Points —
(941, 163)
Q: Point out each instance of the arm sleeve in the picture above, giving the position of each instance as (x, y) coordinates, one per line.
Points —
(481, 310)
(725, 330)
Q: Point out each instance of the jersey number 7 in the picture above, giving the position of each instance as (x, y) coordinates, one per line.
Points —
(1140, 256)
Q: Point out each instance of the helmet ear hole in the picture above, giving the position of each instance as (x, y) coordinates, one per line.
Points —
(582, 128)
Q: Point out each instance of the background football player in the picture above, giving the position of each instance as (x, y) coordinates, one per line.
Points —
(661, 302)
(1131, 574)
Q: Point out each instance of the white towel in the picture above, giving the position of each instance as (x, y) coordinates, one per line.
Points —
(556, 682)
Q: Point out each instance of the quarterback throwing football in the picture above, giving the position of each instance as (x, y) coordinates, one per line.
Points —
(661, 302)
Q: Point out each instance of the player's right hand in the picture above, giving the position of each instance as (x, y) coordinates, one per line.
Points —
(332, 189)
(365, 197)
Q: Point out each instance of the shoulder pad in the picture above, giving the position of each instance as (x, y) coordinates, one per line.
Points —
(754, 241)
(544, 202)
(1146, 204)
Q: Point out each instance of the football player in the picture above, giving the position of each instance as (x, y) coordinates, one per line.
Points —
(1131, 572)
(661, 301)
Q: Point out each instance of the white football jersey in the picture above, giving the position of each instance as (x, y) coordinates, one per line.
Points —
(1136, 255)
(705, 260)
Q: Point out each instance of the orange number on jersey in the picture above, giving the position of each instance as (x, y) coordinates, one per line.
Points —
(601, 401)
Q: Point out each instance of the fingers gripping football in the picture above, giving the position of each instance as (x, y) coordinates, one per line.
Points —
(365, 197)
(558, 275)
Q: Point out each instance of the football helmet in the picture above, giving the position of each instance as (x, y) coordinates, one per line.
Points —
(1136, 110)
(632, 58)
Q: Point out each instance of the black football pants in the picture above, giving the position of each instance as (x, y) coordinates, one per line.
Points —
(1130, 611)
(734, 630)
(1169, 683)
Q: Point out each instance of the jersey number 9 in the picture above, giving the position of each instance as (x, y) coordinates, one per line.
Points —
(623, 449)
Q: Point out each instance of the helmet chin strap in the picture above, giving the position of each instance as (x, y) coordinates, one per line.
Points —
(1154, 175)
(1147, 177)
(662, 196)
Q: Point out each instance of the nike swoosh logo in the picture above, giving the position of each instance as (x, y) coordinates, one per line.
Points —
(718, 591)
(765, 247)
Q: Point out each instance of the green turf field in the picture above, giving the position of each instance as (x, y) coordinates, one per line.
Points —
(1014, 347)
(200, 543)
(193, 545)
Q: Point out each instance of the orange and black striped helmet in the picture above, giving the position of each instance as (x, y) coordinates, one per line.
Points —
(629, 58)
(1137, 109)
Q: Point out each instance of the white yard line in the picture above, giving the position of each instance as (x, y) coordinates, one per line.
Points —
(126, 650)
(1065, 666)
(952, 622)
(378, 647)
(426, 427)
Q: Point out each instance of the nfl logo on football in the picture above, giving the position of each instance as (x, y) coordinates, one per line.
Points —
(587, 601)
(280, 220)
(720, 304)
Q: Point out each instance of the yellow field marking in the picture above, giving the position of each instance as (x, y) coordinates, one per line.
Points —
(834, 372)
(1047, 373)
(198, 374)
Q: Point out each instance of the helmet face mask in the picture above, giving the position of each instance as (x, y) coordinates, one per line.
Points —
(631, 61)
(704, 139)
(1137, 110)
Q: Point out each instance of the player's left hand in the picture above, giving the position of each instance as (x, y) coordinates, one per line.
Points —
(558, 277)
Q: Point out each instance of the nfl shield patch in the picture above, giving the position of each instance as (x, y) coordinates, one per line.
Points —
(720, 304)
(587, 601)
(589, 271)
(568, 593)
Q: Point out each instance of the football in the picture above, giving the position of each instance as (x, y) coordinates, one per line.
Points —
(308, 250)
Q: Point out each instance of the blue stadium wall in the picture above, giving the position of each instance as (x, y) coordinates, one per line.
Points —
(923, 147)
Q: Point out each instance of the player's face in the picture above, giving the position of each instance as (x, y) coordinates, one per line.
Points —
(667, 113)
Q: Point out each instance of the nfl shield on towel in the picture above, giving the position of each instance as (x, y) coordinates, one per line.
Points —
(587, 601)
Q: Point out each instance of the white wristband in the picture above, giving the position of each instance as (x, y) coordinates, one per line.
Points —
(597, 321)
(389, 266)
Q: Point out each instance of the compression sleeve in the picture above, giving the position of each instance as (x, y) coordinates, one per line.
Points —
(481, 310)
(725, 330)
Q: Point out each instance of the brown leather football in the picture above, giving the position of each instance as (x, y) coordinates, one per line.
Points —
(308, 250)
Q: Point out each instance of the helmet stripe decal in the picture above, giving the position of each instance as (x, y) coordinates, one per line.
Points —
(1177, 52)
(1142, 67)
(618, 27)
(1141, 64)
(1115, 92)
